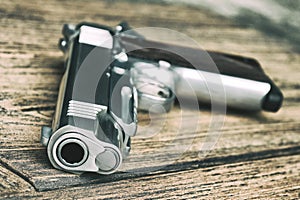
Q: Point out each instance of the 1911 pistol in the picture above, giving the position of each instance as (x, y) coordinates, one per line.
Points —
(104, 84)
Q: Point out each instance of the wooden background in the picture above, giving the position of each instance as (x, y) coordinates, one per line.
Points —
(256, 156)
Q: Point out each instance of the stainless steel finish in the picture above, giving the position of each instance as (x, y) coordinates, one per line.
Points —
(126, 95)
(240, 93)
(155, 83)
(84, 109)
(69, 141)
(121, 57)
(45, 135)
(119, 70)
(164, 64)
(107, 160)
(119, 28)
(187, 83)
(128, 125)
(95, 36)
(161, 73)
(154, 96)
(102, 137)
(94, 147)
(97, 152)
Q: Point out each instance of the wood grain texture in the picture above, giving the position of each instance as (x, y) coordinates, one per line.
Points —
(256, 156)
(263, 179)
(12, 183)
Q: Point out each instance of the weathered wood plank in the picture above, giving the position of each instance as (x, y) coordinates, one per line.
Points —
(157, 151)
(264, 179)
(11, 183)
(30, 70)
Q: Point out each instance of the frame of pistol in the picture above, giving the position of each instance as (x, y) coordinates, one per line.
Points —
(105, 83)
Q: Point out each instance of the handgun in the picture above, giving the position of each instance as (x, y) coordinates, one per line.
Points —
(110, 73)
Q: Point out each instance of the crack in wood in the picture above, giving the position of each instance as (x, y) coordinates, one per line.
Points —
(43, 178)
